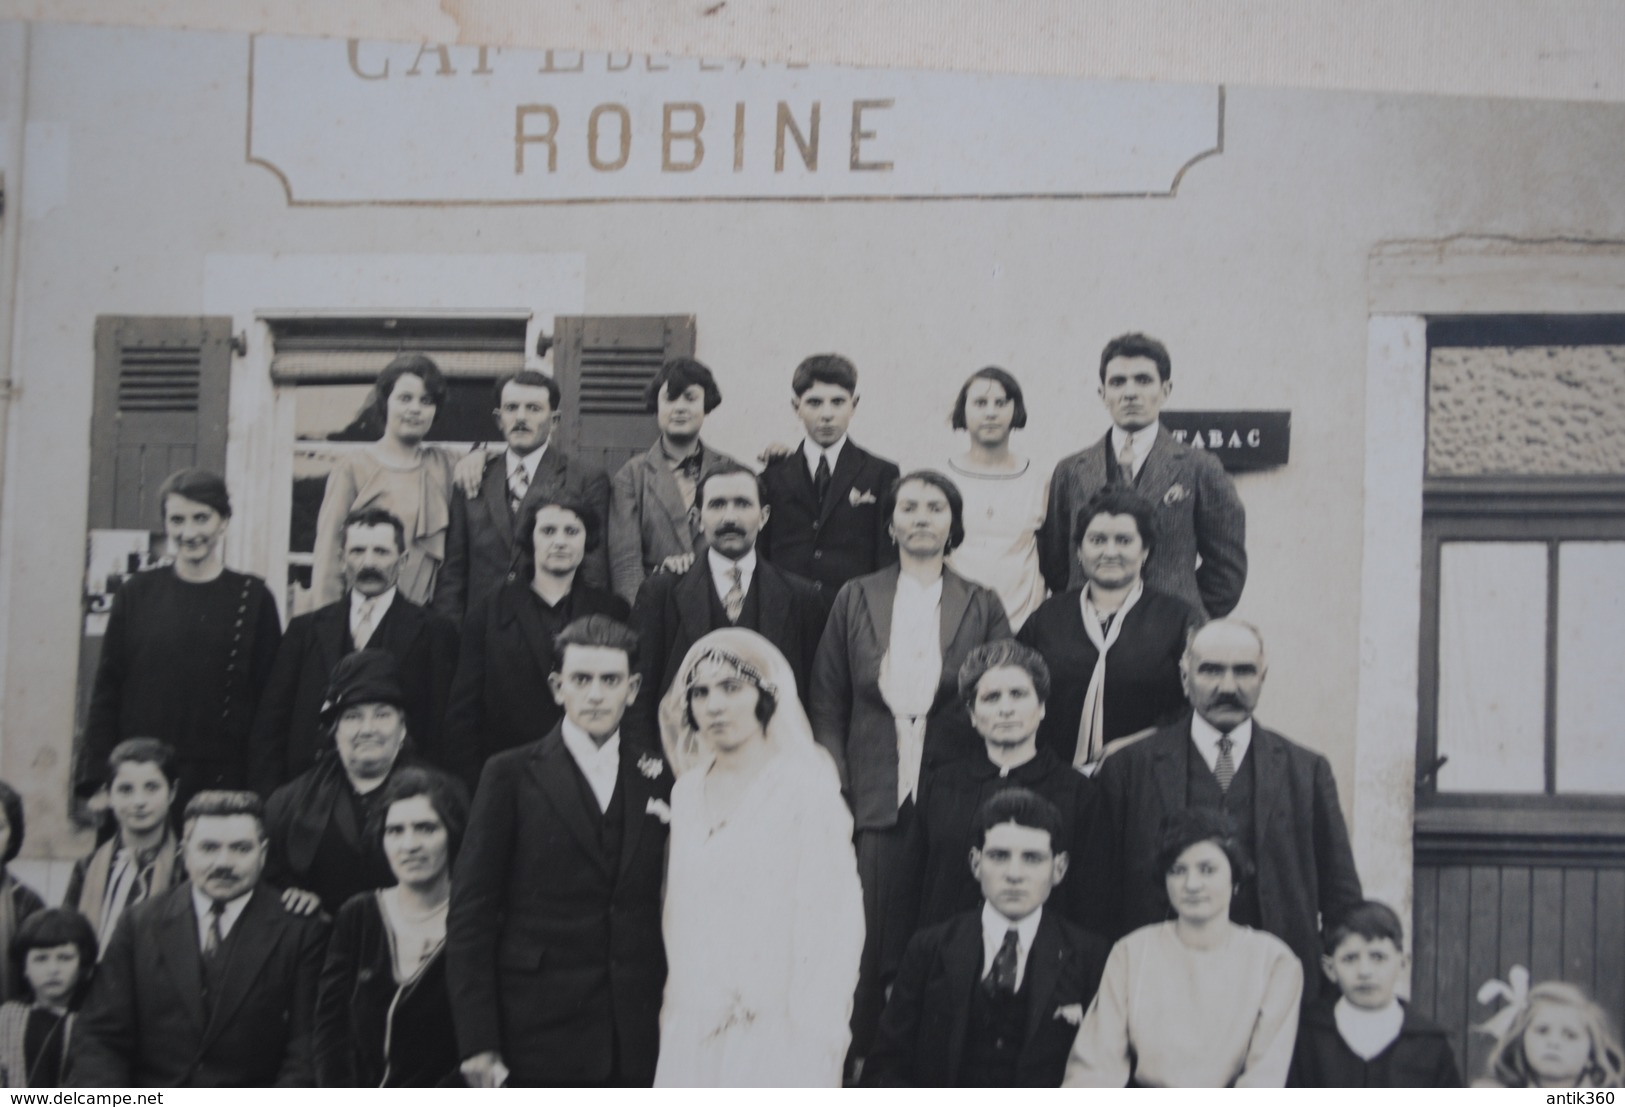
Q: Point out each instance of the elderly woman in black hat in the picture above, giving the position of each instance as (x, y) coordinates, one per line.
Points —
(317, 822)
(187, 652)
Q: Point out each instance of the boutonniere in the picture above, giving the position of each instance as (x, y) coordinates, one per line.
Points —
(651, 766)
(659, 808)
(1072, 1013)
(858, 499)
(1175, 494)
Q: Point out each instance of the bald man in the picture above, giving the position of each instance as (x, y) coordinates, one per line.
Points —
(1280, 795)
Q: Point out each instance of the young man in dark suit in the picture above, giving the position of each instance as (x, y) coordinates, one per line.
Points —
(728, 585)
(555, 960)
(288, 734)
(1199, 516)
(481, 539)
(992, 998)
(211, 984)
(826, 523)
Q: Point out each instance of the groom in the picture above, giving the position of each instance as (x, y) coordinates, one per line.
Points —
(554, 953)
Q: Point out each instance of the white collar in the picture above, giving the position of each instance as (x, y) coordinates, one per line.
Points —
(529, 461)
(721, 567)
(599, 764)
(812, 451)
(994, 928)
(1206, 736)
(1368, 1032)
(201, 904)
(380, 604)
(1141, 440)
(917, 592)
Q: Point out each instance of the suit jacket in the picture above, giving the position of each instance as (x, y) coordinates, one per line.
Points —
(145, 1023)
(554, 955)
(922, 1032)
(647, 520)
(500, 698)
(1420, 1057)
(673, 612)
(1305, 864)
(1197, 513)
(481, 541)
(849, 716)
(288, 735)
(843, 539)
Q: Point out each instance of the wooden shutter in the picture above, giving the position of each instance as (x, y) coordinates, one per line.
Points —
(602, 364)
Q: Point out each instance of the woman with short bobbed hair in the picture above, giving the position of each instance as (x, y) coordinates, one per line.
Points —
(398, 473)
(1198, 1002)
(17, 900)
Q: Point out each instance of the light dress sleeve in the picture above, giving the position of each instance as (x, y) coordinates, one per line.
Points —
(1269, 1054)
(327, 577)
(1100, 1053)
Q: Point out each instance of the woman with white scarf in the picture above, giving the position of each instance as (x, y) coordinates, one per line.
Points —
(1112, 646)
(885, 697)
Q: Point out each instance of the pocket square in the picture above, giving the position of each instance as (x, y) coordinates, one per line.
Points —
(650, 767)
(858, 499)
(659, 808)
(1072, 1013)
(1175, 494)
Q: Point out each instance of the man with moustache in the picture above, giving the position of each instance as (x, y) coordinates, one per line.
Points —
(653, 521)
(555, 962)
(288, 736)
(729, 585)
(1281, 797)
(211, 984)
(497, 487)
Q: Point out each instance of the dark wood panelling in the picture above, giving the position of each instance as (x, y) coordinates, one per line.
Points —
(1610, 959)
(1483, 953)
(1424, 943)
(1546, 924)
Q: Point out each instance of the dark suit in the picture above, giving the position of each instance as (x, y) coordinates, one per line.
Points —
(288, 735)
(480, 542)
(922, 1039)
(554, 951)
(673, 612)
(149, 1024)
(648, 521)
(1420, 1057)
(500, 698)
(1198, 514)
(1305, 864)
(843, 539)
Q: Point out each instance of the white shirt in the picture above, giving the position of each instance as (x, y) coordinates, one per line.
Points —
(1206, 736)
(994, 928)
(1367, 1032)
(1141, 440)
(722, 568)
(380, 605)
(601, 765)
(812, 451)
(228, 918)
(528, 462)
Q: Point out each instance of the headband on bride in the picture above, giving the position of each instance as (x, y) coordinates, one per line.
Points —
(755, 659)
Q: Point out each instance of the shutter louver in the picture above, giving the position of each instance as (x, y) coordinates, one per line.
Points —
(613, 377)
(159, 379)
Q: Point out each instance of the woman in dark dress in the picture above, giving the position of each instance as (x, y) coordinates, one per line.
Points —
(187, 653)
(383, 1019)
(1112, 646)
(500, 697)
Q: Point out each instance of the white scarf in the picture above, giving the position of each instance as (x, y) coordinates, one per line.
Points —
(909, 673)
(1092, 723)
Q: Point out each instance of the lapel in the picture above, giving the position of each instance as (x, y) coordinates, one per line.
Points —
(1092, 473)
(253, 939)
(494, 495)
(962, 964)
(1169, 765)
(692, 595)
(636, 791)
(1270, 777)
(1044, 963)
(879, 594)
(955, 601)
(662, 486)
(515, 606)
(550, 476)
(1161, 468)
(179, 953)
(773, 601)
(554, 772)
(399, 628)
(840, 478)
(332, 634)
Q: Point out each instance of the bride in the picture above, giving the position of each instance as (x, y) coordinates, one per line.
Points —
(764, 914)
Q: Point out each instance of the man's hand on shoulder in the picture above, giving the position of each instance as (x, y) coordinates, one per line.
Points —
(297, 901)
(485, 1070)
(773, 451)
(677, 563)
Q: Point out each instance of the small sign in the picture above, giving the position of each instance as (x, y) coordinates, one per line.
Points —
(1242, 440)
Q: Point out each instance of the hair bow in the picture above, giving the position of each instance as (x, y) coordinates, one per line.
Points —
(1515, 990)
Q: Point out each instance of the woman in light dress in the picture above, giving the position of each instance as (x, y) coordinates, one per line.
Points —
(764, 914)
(398, 473)
(1005, 495)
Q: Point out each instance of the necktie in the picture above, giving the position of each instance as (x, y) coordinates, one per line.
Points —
(1125, 461)
(1225, 767)
(213, 936)
(821, 479)
(734, 601)
(363, 624)
(1001, 979)
(518, 482)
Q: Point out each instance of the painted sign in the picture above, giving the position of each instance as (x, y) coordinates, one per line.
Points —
(1241, 440)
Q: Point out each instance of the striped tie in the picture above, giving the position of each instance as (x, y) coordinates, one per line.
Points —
(734, 602)
(1225, 767)
(518, 483)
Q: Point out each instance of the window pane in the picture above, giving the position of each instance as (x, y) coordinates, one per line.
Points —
(1492, 666)
(1591, 667)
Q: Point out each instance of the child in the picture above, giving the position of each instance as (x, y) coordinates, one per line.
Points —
(52, 954)
(825, 495)
(17, 901)
(1560, 1039)
(142, 859)
(1368, 1037)
(992, 998)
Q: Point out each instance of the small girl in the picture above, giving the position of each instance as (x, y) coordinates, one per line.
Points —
(1560, 1039)
(52, 955)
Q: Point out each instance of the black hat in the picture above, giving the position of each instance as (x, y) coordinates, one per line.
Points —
(366, 676)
